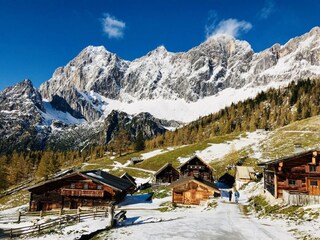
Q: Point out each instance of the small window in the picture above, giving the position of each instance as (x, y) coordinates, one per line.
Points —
(99, 187)
(312, 168)
(72, 185)
(313, 183)
(292, 182)
(85, 186)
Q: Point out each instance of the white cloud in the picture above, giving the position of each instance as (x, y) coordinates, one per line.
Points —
(113, 27)
(267, 9)
(231, 26)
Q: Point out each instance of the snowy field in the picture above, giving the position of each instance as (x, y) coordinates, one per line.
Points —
(216, 151)
(226, 221)
(199, 222)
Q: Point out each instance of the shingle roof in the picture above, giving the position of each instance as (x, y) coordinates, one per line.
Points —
(108, 179)
(185, 180)
(243, 172)
(96, 175)
(194, 158)
(288, 158)
(129, 178)
(164, 167)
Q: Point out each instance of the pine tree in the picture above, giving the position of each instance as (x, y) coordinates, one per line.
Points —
(140, 142)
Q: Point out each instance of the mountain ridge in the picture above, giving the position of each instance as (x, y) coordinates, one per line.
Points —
(221, 62)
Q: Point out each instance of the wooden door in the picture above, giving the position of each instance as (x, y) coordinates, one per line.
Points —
(314, 186)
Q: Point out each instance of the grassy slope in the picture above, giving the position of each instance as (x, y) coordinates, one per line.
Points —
(281, 142)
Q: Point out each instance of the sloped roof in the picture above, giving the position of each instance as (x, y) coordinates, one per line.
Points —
(108, 179)
(289, 158)
(164, 167)
(128, 177)
(243, 172)
(96, 175)
(185, 180)
(195, 156)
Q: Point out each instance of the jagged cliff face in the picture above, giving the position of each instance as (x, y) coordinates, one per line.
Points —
(21, 122)
(29, 123)
(219, 63)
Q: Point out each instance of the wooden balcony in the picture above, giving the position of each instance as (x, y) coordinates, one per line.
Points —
(81, 192)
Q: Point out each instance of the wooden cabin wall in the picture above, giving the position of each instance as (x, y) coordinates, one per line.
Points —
(168, 175)
(191, 193)
(197, 169)
(73, 194)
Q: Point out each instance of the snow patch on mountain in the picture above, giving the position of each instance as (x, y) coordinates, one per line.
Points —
(51, 114)
(179, 109)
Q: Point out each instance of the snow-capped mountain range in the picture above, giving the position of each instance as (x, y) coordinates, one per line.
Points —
(181, 86)
(97, 92)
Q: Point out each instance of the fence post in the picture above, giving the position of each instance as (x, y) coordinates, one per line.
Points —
(11, 235)
(19, 217)
(41, 213)
(79, 217)
(111, 213)
(106, 213)
(39, 228)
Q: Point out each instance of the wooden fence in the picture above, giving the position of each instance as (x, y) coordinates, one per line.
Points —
(53, 223)
(26, 216)
(300, 199)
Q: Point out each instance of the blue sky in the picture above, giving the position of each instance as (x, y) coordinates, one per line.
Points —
(37, 36)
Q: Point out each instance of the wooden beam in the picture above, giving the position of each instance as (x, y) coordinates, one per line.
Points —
(314, 161)
(275, 180)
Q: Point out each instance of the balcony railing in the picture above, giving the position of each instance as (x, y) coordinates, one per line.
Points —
(82, 192)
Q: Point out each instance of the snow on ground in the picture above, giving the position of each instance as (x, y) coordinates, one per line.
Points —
(198, 222)
(76, 231)
(159, 151)
(217, 151)
(153, 153)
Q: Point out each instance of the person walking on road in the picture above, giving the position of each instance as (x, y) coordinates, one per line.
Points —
(236, 196)
(230, 195)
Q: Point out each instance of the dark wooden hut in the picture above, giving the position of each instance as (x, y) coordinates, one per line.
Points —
(197, 168)
(166, 174)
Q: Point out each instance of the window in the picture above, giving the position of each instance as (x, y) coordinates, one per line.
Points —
(99, 187)
(312, 168)
(313, 183)
(72, 185)
(85, 186)
(292, 182)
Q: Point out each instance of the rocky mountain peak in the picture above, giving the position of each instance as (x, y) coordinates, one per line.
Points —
(219, 63)
(24, 92)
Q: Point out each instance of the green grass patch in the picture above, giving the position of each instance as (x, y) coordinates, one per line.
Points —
(14, 200)
(158, 161)
(261, 206)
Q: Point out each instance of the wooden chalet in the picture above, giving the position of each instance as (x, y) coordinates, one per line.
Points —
(296, 174)
(197, 168)
(190, 190)
(244, 175)
(166, 174)
(86, 189)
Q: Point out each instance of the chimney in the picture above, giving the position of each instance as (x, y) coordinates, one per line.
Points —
(298, 148)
